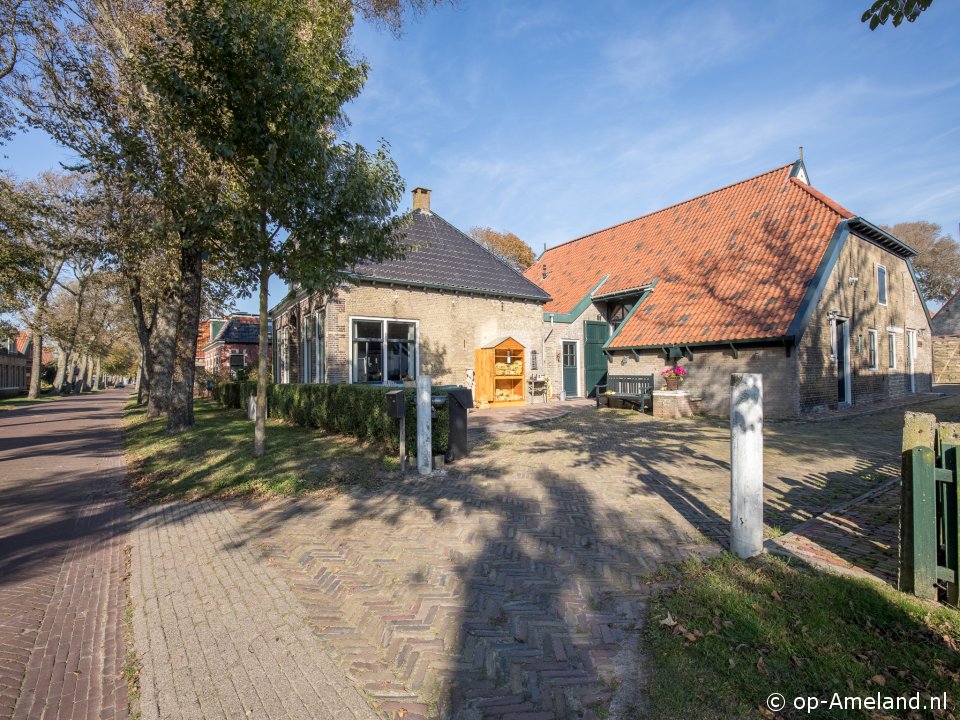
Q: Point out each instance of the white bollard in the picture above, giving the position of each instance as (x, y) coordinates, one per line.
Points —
(746, 464)
(424, 426)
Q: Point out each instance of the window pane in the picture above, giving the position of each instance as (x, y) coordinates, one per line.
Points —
(368, 361)
(882, 285)
(367, 330)
(892, 350)
(401, 331)
(400, 360)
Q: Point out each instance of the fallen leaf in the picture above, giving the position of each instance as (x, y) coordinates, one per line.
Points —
(727, 624)
(765, 713)
(761, 666)
(732, 662)
(776, 596)
(668, 621)
(878, 680)
(690, 636)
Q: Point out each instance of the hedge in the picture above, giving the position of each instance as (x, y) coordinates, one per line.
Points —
(356, 410)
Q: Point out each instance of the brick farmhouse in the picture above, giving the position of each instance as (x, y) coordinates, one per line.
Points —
(229, 343)
(427, 312)
(946, 342)
(766, 275)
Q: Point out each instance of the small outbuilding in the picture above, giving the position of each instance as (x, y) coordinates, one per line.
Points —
(946, 342)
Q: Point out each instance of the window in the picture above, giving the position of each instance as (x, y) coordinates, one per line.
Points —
(318, 350)
(891, 351)
(881, 285)
(307, 328)
(833, 338)
(284, 364)
(872, 349)
(237, 359)
(384, 351)
(617, 313)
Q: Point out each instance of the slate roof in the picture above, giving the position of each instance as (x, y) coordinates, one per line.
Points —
(733, 264)
(439, 255)
(240, 330)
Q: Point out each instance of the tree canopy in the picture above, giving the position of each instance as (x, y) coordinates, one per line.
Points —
(894, 10)
(505, 245)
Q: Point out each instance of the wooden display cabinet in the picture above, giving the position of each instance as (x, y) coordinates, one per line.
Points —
(500, 373)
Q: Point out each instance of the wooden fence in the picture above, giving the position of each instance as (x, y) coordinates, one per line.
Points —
(929, 507)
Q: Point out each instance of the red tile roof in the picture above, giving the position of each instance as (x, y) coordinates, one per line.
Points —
(733, 264)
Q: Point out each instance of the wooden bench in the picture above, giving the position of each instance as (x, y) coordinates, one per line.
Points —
(634, 391)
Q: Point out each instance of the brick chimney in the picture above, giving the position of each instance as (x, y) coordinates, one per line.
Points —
(421, 199)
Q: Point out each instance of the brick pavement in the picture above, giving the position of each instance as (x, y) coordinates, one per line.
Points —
(859, 539)
(62, 524)
(513, 585)
(219, 634)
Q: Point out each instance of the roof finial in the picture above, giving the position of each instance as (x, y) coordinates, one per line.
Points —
(801, 152)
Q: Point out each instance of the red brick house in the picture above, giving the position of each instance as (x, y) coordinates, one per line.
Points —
(232, 343)
(766, 275)
(14, 369)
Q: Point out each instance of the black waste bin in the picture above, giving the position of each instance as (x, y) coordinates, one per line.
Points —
(460, 400)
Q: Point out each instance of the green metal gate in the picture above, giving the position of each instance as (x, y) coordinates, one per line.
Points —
(594, 359)
(930, 508)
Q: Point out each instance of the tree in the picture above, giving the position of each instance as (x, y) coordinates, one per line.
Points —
(263, 84)
(897, 10)
(938, 263)
(506, 246)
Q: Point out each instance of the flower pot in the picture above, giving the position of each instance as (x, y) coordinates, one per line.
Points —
(673, 382)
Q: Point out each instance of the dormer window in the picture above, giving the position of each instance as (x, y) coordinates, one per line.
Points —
(617, 312)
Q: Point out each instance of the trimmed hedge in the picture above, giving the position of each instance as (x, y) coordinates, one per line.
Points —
(356, 410)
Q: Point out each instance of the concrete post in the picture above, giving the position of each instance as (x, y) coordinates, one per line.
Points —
(424, 426)
(746, 464)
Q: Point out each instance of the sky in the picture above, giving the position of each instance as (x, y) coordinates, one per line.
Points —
(555, 119)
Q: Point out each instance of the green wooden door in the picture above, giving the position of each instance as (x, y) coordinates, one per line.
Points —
(569, 351)
(595, 362)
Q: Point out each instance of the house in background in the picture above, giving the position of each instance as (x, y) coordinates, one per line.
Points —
(14, 369)
(232, 344)
(946, 342)
(767, 275)
(428, 312)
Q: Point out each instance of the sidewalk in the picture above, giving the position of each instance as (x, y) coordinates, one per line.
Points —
(218, 632)
(62, 526)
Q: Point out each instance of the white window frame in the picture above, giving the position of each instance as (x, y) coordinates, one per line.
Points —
(318, 346)
(304, 351)
(284, 353)
(874, 348)
(891, 351)
(885, 286)
(383, 320)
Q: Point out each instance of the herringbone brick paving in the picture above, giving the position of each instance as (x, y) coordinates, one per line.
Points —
(62, 525)
(487, 591)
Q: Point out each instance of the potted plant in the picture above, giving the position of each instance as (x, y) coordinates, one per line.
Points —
(673, 377)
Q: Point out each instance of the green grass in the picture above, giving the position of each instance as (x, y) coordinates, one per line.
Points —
(19, 402)
(216, 458)
(747, 629)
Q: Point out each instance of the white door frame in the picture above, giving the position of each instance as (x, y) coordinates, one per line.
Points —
(911, 359)
(577, 357)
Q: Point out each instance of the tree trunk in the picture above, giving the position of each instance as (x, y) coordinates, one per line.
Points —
(61, 370)
(164, 342)
(88, 374)
(180, 418)
(97, 377)
(260, 424)
(36, 365)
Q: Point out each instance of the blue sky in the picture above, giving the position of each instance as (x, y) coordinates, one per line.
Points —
(553, 119)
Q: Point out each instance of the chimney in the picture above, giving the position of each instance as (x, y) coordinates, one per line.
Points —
(421, 199)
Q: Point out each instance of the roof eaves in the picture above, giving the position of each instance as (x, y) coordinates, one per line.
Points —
(450, 288)
(881, 237)
(779, 339)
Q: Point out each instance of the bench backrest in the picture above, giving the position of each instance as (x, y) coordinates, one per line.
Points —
(630, 384)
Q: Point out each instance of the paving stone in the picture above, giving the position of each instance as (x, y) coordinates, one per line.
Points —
(63, 521)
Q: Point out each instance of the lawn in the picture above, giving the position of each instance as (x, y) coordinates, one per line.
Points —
(730, 633)
(19, 402)
(216, 458)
